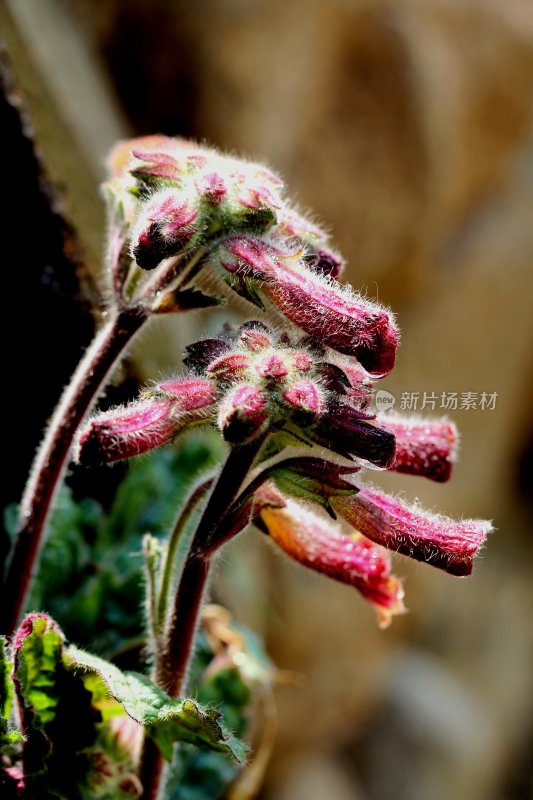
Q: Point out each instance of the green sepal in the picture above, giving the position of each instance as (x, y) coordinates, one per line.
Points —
(185, 300)
(312, 488)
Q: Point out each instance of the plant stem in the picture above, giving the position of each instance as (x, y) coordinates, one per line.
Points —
(52, 457)
(175, 539)
(173, 663)
(179, 636)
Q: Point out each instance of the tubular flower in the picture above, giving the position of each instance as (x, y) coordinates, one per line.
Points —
(423, 447)
(321, 545)
(334, 315)
(152, 421)
(408, 529)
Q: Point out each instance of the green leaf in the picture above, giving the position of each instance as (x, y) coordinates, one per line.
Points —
(167, 720)
(37, 657)
(8, 739)
(57, 713)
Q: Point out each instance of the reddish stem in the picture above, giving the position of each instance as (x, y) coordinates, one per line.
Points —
(52, 457)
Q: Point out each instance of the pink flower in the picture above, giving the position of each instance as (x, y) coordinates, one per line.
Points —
(437, 540)
(320, 545)
(332, 314)
(148, 423)
(423, 447)
(243, 413)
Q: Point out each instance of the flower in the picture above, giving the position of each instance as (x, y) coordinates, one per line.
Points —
(423, 447)
(322, 546)
(334, 315)
(432, 538)
(234, 215)
(153, 420)
(246, 381)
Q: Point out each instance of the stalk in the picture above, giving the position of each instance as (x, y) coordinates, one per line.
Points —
(178, 640)
(52, 457)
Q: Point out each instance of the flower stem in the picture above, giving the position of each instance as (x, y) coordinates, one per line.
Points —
(52, 457)
(179, 636)
(176, 538)
(178, 640)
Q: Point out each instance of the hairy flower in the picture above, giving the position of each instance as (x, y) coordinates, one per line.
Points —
(437, 540)
(423, 447)
(321, 545)
(150, 422)
(334, 315)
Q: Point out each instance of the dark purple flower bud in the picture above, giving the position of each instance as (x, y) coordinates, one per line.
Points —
(423, 447)
(324, 262)
(333, 378)
(243, 413)
(346, 431)
(199, 355)
(408, 529)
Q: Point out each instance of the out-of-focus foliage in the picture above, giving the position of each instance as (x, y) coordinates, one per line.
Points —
(90, 572)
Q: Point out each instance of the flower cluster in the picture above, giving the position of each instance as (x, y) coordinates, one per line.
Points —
(233, 215)
(274, 389)
(252, 383)
(248, 382)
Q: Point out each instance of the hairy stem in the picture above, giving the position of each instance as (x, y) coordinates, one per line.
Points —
(52, 457)
(178, 640)
(176, 537)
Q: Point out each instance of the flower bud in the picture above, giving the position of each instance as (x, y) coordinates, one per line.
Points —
(272, 366)
(336, 316)
(346, 431)
(230, 367)
(423, 447)
(305, 397)
(332, 314)
(319, 543)
(192, 393)
(243, 413)
(408, 529)
(166, 225)
(126, 432)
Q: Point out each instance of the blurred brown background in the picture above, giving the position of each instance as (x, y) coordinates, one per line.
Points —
(407, 126)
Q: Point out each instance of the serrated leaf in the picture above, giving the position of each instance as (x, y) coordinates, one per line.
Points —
(8, 739)
(37, 657)
(167, 720)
